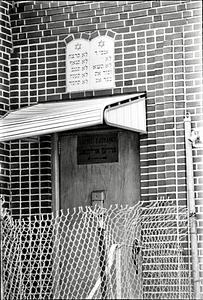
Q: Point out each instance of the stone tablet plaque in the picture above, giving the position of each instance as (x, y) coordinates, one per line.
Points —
(97, 148)
(102, 63)
(90, 64)
(77, 65)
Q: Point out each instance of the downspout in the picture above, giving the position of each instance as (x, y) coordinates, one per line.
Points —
(55, 173)
(191, 208)
(55, 206)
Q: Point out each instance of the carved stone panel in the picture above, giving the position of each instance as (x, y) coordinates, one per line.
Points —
(102, 63)
(90, 64)
(77, 65)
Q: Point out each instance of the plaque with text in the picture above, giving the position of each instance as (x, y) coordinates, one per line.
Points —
(90, 64)
(97, 148)
(77, 72)
(102, 63)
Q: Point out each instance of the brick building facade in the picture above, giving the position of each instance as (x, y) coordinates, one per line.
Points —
(157, 51)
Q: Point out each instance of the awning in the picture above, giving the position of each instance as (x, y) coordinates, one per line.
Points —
(125, 111)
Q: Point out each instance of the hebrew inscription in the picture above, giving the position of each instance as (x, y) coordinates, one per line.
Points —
(77, 64)
(102, 63)
(90, 64)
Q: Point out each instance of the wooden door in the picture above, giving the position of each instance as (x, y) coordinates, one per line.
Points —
(113, 168)
(120, 180)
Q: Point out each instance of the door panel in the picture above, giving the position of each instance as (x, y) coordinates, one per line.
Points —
(85, 238)
(120, 180)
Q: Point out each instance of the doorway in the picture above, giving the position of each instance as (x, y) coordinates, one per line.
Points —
(104, 161)
(101, 166)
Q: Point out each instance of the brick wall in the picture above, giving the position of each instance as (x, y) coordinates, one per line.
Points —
(5, 53)
(30, 167)
(30, 160)
(157, 49)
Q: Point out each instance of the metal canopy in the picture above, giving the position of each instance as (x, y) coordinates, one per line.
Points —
(125, 111)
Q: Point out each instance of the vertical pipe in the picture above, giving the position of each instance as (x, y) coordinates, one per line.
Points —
(55, 172)
(56, 207)
(191, 207)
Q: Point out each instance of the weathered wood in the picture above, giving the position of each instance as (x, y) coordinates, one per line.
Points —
(120, 180)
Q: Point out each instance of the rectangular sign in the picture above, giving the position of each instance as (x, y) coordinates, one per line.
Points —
(97, 148)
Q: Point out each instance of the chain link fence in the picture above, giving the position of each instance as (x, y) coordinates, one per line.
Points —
(95, 253)
(165, 251)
